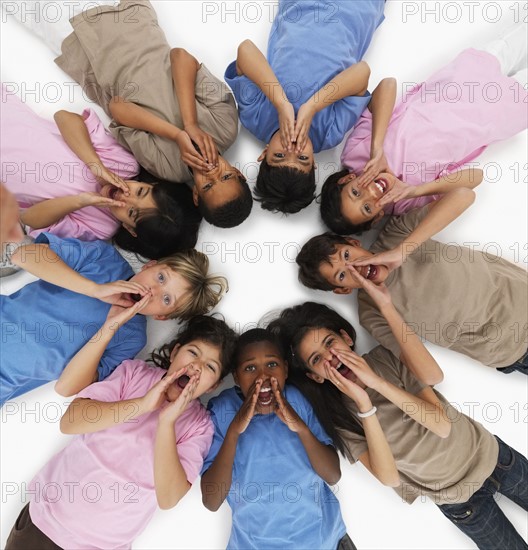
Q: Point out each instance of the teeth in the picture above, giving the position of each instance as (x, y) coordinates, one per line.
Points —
(380, 187)
(265, 390)
(368, 271)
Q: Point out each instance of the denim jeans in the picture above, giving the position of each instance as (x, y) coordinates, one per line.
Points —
(480, 518)
(521, 365)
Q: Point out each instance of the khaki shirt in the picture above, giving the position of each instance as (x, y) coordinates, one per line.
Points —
(123, 51)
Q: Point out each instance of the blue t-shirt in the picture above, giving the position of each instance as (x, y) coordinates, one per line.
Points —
(277, 499)
(44, 326)
(310, 43)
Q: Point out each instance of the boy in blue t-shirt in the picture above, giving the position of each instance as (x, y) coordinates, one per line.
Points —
(307, 94)
(83, 295)
(271, 458)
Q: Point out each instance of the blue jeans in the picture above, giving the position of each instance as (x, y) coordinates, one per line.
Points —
(480, 518)
(521, 365)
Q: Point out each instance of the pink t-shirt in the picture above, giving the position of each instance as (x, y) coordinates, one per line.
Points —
(99, 491)
(444, 123)
(36, 164)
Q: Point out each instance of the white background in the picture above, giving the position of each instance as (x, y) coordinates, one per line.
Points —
(415, 39)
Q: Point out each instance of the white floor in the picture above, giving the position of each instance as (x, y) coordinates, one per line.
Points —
(416, 38)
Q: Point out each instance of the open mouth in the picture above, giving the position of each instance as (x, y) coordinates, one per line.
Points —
(182, 381)
(345, 372)
(135, 297)
(381, 185)
(265, 396)
(370, 272)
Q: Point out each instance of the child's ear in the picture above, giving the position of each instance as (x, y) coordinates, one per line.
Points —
(344, 290)
(235, 378)
(160, 317)
(149, 264)
(263, 154)
(174, 351)
(195, 197)
(315, 377)
(347, 178)
(130, 229)
(346, 337)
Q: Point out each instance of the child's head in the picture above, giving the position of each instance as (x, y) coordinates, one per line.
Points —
(158, 220)
(259, 357)
(322, 264)
(346, 209)
(222, 195)
(311, 330)
(286, 179)
(204, 345)
(181, 286)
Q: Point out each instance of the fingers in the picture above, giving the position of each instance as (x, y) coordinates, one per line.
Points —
(367, 175)
(357, 275)
(391, 196)
(277, 393)
(195, 161)
(103, 202)
(335, 378)
(211, 152)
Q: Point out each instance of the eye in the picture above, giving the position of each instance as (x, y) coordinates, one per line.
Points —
(207, 186)
(249, 368)
(355, 192)
(131, 213)
(302, 157)
(273, 364)
(139, 191)
(192, 352)
(315, 359)
(367, 209)
(329, 342)
(161, 277)
(166, 300)
(346, 255)
(211, 368)
(227, 176)
(341, 276)
(278, 155)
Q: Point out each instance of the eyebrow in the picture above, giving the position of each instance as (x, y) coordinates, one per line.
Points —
(275, 160)
(323, 341)
(217, 363)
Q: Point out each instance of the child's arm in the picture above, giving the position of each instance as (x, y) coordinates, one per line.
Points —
(252, 64)
(129, 114)
(74, 132)
(469, 178)
(413, 353)
(81, 371)
(216, 481)
(40, 260)
(378, 458)
(425, 408)
(323, 458)
(89, 415)
(440, 214)
(184, 69)
(170, 479)
(350, 82)
(381, 106)
(51, 211)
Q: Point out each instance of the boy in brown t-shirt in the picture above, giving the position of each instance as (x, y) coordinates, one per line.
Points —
(450, 295)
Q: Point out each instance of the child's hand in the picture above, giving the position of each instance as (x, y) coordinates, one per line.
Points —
(358, 366)
(156, 396)
(284, 410)
(287, 125)
(205, 142)
(118, 292)
(247, 410)
(119, 315)
(190, 156)
(349, 388)
(103, 175)
(392, 259)
(377, 164)
(379, 293)
(303, 124)
(96, 199)
(172, 411)
(399, 190)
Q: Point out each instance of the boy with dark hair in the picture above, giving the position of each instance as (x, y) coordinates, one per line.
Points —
(477, 305)
(307, 94)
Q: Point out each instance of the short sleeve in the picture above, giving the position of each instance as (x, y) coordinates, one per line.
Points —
(355, 444)
(255, 110)
(373, 322)
(76, 253)
(215, 409)
(125, 344)
(114, 387)
(114, 156)
(193, 450)
(405, 224)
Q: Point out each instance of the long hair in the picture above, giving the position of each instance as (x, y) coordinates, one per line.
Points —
(330, 404)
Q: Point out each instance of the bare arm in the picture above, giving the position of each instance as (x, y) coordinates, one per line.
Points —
(468, 178)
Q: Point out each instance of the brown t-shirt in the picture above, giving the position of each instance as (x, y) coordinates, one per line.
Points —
(446, 470)
(453, 296)
(122, 51)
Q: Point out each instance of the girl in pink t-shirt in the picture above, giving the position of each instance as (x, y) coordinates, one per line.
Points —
(143, 436)
(437, 128)
(72, 179)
